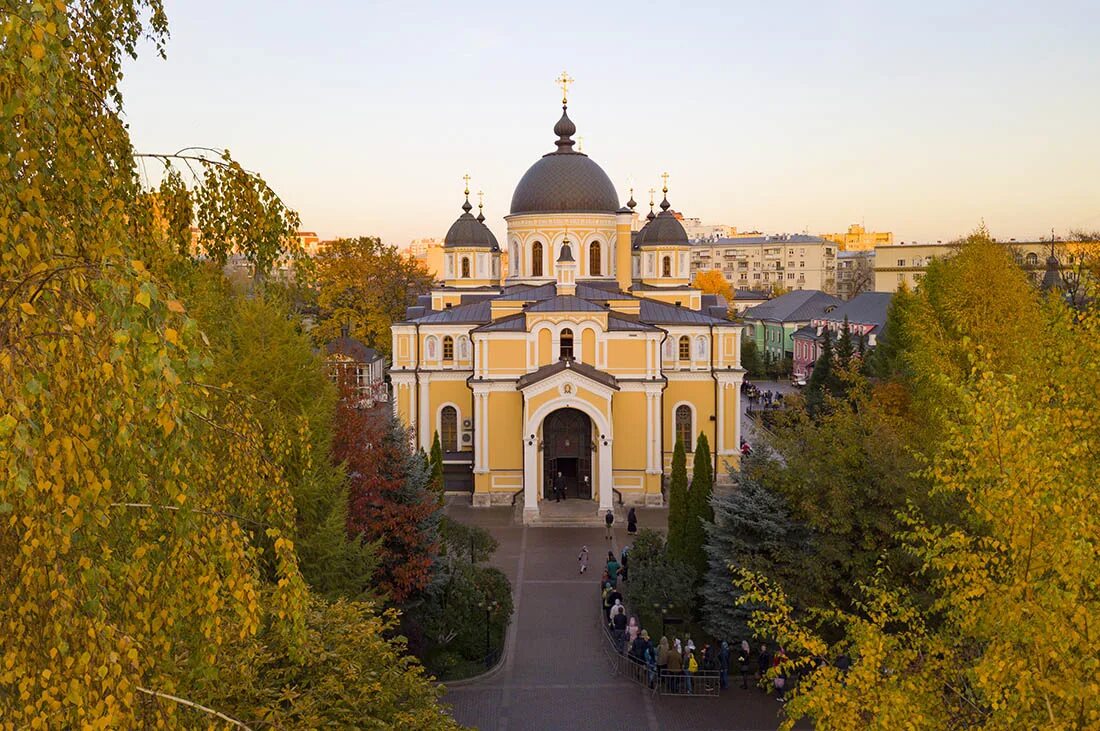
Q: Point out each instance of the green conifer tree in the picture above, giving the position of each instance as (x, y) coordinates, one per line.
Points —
(700, 512)
(822, 376)
(677, 502)
(845, 348)
(436, 460)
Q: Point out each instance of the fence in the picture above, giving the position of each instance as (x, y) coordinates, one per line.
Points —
(700, 683)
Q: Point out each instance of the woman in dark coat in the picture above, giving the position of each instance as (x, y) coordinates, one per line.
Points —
(631, 522)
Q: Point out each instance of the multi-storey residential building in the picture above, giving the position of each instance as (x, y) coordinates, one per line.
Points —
(855, 273)
(908, 262)
(699, 231)
(780, 262)
(858, 238)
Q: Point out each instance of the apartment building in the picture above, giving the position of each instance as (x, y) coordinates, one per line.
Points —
(779, 262)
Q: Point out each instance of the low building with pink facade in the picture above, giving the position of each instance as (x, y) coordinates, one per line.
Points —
(866, 315)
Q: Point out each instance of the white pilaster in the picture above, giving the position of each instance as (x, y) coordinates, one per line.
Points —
(605, 481)
(425, 418)
(530, 475)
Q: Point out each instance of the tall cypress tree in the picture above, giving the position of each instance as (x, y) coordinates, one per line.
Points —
(845, 349)
(435, 458)
(677, 502)
(700, 511)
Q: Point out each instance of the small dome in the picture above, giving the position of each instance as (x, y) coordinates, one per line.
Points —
(565, 181)
(664, 230)
(468, 231)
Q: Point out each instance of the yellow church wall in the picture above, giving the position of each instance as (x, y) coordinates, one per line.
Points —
(626, 356)
(626, 307)
(628, 450)
(686, 298)
(403, 399)
(506, 356)
(700, 394)
(546, 342)
(441, 393)
(506, 432)
(588, 346)
(403, 351)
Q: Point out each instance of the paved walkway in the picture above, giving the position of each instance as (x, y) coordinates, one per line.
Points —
(555, 674)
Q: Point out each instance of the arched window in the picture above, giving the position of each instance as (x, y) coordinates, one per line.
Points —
(536, 259)
(448, 429)
(448, 348)
(685, 347)
(683, 426)
(566, 340)
(666, 267)
(465, 267)
(594, 259)
(1032, 259)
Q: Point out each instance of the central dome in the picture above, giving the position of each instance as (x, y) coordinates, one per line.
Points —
(565, 181)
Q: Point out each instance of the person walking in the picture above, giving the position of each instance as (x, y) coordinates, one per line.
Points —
(583, 559)
(662, 657)
(724, 665)
(632, 630)
(632, 522)
(763, 661)
(675, 666)
(559, 483)
(650, 661)
(691, 666)
(744, 657)
(613, 568)
(609, 520)
(780, 676)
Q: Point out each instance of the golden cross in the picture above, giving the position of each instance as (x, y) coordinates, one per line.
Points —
(564, 81)
(466, 177)
(480, 199)
(664, 177)
(651, 193)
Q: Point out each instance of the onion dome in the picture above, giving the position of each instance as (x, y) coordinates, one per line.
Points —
(1052, 277)
(470, 231)
(565, 181)
(663, 229)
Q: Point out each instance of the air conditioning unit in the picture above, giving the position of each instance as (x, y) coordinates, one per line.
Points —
(467, 438)
(467, 424)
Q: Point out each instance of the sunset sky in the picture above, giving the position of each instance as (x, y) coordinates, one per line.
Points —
(920, 118)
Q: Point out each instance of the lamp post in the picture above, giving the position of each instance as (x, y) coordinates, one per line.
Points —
(489, 607)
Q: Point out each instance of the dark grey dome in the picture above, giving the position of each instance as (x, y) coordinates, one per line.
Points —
(468, 231)
(565, 181)
(664, 230)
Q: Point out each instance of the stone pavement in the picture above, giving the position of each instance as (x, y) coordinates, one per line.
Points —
(555, 674)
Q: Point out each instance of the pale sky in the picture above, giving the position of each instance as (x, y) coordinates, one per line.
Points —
(923, 118)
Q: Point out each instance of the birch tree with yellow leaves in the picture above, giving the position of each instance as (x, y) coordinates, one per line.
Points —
(147, 552)
(1004, 632)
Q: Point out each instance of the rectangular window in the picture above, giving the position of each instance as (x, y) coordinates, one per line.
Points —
(901, 262)
(790, 275)
(802, 264)
(756, 276)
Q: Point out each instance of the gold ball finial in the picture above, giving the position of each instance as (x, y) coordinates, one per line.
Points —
(466, 178)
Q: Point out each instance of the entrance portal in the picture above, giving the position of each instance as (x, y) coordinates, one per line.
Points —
(567, 454)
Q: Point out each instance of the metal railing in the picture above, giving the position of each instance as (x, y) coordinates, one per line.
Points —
(702, 683)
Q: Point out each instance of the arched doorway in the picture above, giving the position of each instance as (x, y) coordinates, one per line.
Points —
(567, 453)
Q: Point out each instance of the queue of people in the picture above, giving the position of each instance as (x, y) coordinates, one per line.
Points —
(677, 663)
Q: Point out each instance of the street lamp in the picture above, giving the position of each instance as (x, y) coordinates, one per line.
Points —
(489, 607)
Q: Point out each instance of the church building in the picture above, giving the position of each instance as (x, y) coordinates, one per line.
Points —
(579, 367)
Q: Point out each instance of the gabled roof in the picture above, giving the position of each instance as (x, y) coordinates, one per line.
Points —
(620, 322)
(799, 306)
(868, 308)
(522, 292)
(807, 332)
(565, 303)
(352, 348)
(659, 313)
(511, 323)
(583, 369)
(475, 312)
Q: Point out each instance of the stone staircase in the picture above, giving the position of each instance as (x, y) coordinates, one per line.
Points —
(573, 513)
